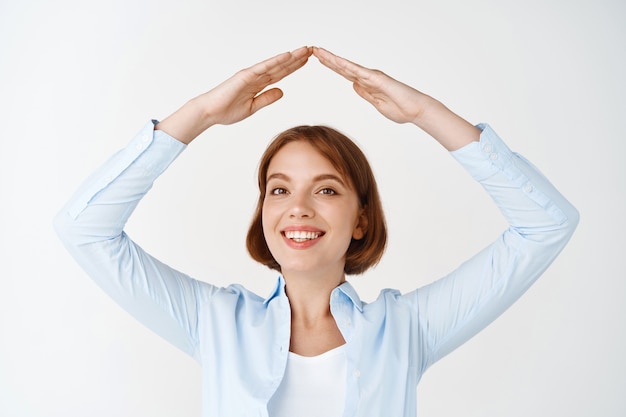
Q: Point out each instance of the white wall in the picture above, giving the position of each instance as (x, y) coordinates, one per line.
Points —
(79, 78)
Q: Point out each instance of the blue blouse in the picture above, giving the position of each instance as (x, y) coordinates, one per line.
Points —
(241, 340)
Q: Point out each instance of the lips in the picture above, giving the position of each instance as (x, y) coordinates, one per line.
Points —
(301, 235)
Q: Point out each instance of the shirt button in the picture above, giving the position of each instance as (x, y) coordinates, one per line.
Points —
(145, 138)
(356, 373)
(528, 188)
(487, 148)
(493, 156)
(139, 146)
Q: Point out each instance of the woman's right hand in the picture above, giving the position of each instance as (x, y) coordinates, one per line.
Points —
(235, 99)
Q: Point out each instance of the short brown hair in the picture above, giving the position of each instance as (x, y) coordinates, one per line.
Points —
(351, 163)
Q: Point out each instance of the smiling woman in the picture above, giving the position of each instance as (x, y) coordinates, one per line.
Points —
(312, 347)
(315, 202)
(348, 171)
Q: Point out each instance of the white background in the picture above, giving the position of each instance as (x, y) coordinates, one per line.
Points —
(78, 79)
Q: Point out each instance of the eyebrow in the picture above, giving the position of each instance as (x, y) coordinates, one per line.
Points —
(317, 178)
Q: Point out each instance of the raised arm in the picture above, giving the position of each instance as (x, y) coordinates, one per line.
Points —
(91, 223)
(454, 308)
(402, 103)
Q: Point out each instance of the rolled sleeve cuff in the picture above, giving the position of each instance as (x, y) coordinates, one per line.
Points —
(153, 150)
(486, 157)
(493, 164)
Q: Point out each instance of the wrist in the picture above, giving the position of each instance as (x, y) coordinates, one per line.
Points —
(449, 129)
(186, 123)
(200, 112)
(426, 108)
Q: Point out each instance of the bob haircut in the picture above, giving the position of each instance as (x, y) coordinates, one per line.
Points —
(351, 163)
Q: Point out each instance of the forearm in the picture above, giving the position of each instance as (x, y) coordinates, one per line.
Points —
(450, 130)
(188, 122)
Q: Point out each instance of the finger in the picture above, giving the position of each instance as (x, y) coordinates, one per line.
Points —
(297, 60)
(265, 99)
(342, 66)
(303, 51)
(265, 73)
(283, 64)
(263, 66)
(328, 59)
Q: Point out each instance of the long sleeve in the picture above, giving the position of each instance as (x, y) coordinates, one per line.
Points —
(91, 227)
(541, 221)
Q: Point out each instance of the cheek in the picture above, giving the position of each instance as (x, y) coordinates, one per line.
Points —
(264, 219)
(267, 220)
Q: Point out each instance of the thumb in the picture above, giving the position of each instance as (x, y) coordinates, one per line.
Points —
(266, 98)
(363, 92)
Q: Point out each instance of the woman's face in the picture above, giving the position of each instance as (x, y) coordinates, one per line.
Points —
(310, 212)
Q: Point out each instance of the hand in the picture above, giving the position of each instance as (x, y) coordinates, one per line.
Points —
(238, 97)
(402, 103)
(393, 99)
(235, 99)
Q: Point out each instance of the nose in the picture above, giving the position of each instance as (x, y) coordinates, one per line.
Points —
(301, 207)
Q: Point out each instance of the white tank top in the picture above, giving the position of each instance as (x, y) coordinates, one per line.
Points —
(312, 386)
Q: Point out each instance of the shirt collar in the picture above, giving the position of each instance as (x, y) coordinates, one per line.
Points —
(351, 293)
(279, 289)
(345, 288)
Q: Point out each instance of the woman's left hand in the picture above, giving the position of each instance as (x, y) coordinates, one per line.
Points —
(402, 103)
(393, 99)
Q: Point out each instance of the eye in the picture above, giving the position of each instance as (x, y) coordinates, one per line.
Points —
(278, 191)
(327, 191)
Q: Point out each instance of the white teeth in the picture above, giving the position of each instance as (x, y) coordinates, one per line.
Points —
(301, 236)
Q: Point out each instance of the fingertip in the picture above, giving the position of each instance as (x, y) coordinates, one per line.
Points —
(274, 94)
(266, 98)
(306, 48)
(319, 52)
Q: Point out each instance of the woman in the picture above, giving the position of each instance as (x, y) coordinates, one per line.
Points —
(313, 347)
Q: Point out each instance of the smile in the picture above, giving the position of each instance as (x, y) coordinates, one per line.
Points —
(301, 236)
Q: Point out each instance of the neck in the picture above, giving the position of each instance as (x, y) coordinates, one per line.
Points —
(313, 328)
(309, 296)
